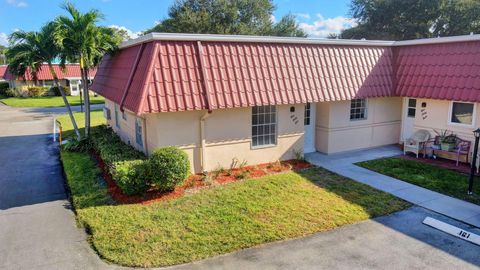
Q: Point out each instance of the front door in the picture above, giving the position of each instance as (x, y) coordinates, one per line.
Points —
(410, 110)
(309, 126)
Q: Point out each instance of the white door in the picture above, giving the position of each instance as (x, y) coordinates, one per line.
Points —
(309, 125)
(409, 112)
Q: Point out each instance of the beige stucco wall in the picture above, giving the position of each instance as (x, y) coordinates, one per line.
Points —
(126, 128)
(227, 134)
(435, 116)
(335, 132)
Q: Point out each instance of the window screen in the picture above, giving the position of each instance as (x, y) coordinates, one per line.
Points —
(117, 123)
(264, 125)
(412, 107)
(358, 109)
(462, 113)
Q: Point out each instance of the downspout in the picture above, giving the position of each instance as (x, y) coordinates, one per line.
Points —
(203, 143)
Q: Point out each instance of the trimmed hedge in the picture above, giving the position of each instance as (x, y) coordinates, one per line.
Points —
(168, 168)
(132, 176)
(133, 172)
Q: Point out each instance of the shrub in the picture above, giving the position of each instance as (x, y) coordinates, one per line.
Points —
(37, 91)
(10, 92)
(131, 176)
(168, 167)
(3, 87)
(56, 92)
(83, 145)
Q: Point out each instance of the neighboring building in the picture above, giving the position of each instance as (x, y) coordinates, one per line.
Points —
(68, 77)
(262, 99)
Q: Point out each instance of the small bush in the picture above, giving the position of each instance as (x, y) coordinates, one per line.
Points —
(131, 176)
(83, 145)
(56, 91)
(37, 91)
(10, 92)
(168, 167)
(3, 87)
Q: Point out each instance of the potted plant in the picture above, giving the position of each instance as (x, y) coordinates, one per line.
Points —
(447, 140)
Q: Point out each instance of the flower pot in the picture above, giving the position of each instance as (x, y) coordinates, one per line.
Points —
(447, 146)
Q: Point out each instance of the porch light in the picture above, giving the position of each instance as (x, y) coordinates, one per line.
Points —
(476, 133)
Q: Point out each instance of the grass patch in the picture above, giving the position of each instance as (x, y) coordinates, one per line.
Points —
(48, 101)
(221, 219)
(431, 177)
(96, 119)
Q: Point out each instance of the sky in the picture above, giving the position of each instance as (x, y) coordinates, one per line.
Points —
(317, 17)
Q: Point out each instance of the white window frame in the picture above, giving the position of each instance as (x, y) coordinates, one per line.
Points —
(139, 123)
(307, 114)
(257, 125)
(365, 114)
(474, 114)
(409, 107)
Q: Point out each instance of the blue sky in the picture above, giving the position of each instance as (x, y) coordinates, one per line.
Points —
(318, 18)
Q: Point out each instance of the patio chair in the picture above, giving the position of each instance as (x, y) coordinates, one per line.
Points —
(416, 143)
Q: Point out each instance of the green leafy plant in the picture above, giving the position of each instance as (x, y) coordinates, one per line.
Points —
(298, 154)
(37, 91)
(219, 170)
(83, 145)
(132, 176)
(168, 167)
(242, 174)
(242, 164)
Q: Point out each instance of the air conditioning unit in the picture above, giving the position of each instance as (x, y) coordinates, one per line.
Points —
(106, 113)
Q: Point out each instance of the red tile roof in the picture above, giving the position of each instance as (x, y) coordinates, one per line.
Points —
(3, 71)
(439, 71)
(70, 71)
(171, 72)
(173, 76)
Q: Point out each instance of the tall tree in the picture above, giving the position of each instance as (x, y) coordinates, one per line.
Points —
(82, 41)
(29, 50)
(411, 19)
(239, 17)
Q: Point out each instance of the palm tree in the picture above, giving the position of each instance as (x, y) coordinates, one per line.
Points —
(83, 41)
(29, 50)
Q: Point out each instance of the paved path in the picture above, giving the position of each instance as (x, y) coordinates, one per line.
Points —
(344, 164)
(37, 229)
(59, 110)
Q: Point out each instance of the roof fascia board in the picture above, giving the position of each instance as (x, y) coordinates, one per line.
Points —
(268, 39)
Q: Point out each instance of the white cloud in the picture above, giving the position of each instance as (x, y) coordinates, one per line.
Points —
(17, 3)
(322, 27)
(3, 39)
(273, 19)
(131, 34)
(305, 16)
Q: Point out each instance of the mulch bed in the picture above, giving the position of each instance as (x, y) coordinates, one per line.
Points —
(196, 182)
(441, 162)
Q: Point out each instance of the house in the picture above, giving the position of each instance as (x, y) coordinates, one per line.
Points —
(68, 77)
(262, 99)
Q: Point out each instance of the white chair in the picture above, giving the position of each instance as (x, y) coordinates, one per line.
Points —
(416, 143)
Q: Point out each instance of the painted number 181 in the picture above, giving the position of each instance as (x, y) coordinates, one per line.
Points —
(464, 234)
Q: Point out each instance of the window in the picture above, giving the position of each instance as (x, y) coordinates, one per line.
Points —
(462, 113)
(412, 107)
(306, 118)
(138, 131)
(48, 83)
(117, 123)
(264, 125)
(358, 109)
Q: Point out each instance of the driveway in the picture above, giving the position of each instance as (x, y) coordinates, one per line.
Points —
(38, 230)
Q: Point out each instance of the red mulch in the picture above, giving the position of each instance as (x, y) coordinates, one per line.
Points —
(197, 181)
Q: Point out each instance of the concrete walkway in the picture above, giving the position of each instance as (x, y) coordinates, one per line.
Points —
(343, 164)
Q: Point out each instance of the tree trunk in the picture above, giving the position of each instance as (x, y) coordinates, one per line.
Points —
(64, 97)
(86, 99)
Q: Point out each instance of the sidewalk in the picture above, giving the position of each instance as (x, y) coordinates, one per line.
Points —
(343, 164)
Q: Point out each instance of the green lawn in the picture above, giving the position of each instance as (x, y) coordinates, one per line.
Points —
(47, 101)
(220, 219)
(96, 119)
(431, 177)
